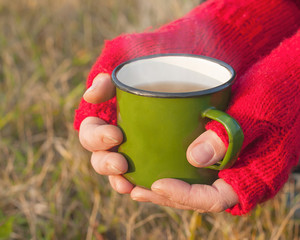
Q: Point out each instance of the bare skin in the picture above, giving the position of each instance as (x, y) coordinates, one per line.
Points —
(99, 137)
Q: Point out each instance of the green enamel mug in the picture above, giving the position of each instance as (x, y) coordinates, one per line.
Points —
(163, 104)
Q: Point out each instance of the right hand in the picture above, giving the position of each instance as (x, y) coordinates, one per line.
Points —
(101, 138)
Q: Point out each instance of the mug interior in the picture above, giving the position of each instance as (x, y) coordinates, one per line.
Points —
(208, 72)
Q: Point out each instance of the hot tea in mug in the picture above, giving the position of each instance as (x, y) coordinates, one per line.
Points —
(163, 104)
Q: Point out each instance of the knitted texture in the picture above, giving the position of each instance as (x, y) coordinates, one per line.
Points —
(237, 32)
(267, 105)
(240, 33)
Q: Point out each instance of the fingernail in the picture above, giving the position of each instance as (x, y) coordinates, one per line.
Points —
(94, 85)
(114, 169)
(139, 199)
(135, 198)
(91, 88)
(159, 191)
(202, 153)
(110, 140)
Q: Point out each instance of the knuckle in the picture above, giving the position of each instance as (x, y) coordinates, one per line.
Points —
(94, 138)
(98, 163)
(185, 199)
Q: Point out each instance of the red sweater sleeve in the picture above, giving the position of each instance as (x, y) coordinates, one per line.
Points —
(266, 102)
(239, 33)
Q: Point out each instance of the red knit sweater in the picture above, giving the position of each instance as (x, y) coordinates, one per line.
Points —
(261, 40)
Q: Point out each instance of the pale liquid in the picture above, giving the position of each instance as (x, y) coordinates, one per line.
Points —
(171, 87)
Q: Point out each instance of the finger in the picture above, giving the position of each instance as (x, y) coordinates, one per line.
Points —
(101, 90)
(206, 150)
(203, 198)
(120, 184)
(144, 195)
(109, 163)
(96, 135)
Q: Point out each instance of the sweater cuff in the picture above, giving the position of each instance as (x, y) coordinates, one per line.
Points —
(269, 116)
(105, 111)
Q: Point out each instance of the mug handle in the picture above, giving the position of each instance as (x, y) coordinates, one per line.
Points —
(235, 135)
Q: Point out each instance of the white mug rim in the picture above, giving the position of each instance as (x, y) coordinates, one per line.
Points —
(130, 89)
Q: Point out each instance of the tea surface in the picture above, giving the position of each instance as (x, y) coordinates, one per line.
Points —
(171, 87)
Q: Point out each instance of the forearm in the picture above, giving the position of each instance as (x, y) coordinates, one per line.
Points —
(267, 105)
(237, 32)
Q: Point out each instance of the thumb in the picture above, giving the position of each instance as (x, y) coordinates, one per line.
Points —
(206, 150)
(101, 90)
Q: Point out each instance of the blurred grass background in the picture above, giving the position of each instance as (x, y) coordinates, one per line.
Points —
(48, 189)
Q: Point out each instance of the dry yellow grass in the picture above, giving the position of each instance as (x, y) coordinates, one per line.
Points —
(48, 189)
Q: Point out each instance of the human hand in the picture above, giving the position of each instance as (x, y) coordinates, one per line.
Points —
(99, 138)
(206, 150)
